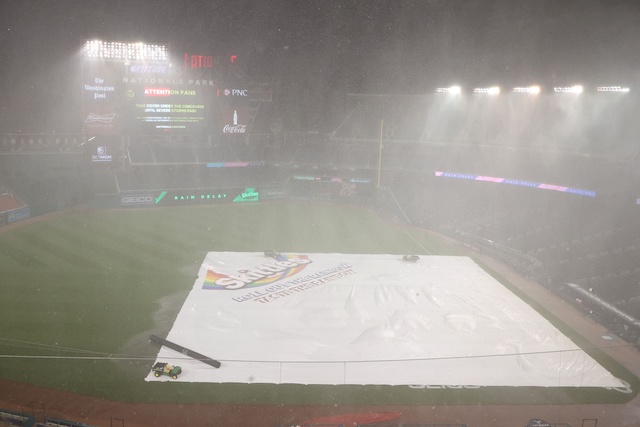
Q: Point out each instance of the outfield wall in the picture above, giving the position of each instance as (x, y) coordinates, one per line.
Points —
(299, 187)
(12, 210)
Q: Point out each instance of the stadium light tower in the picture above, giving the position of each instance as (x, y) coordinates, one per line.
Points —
(493, 90)
(452, 90)
(533, 90)
(576, 89)
(117, 51)
(615, 89)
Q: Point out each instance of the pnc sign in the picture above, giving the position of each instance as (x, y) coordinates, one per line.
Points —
(233, 92)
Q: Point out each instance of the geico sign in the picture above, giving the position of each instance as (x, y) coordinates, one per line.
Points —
(138, 199)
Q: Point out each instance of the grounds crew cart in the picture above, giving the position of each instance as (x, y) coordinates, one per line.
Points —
(166, 369)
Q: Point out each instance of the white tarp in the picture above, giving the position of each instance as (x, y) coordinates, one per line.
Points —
(368, 319)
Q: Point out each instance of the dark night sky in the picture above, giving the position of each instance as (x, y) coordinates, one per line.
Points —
(315, 50)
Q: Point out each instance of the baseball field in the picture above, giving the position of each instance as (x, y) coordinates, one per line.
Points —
(82, 292)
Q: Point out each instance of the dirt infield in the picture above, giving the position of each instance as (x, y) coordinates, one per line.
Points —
(99, 412)
(46, 402)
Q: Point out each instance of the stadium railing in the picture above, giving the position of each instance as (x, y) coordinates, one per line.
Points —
(16, 418)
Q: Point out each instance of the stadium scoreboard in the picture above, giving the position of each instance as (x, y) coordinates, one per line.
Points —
(128, 89)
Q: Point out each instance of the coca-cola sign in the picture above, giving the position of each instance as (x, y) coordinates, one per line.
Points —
(234, 129)
(234, 120)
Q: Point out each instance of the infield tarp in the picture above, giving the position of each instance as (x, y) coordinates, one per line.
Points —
(368, 319)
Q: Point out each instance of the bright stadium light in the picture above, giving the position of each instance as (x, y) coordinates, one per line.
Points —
(530, 89)
(453, 90)
(569, 89)
(618, 89)
(125, 51)
(493, 90)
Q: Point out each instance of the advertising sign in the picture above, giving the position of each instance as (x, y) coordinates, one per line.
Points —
(248, 195)
(137, 199)
(330, 188)
(17, 215)
(101, 97)
(101, 154)
(234, 120)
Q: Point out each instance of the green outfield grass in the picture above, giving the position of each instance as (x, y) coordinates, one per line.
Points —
(81, 294)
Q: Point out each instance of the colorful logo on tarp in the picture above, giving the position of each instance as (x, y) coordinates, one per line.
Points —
(281, 267)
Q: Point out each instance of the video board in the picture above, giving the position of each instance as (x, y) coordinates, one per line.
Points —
(140, 97)
(137, 99)
(156, 104)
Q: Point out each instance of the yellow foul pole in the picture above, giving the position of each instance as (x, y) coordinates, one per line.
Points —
(380, 154)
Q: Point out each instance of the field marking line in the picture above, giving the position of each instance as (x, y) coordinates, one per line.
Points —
(418, 243)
